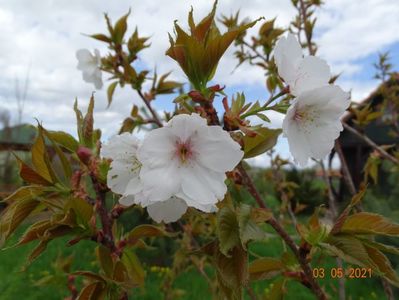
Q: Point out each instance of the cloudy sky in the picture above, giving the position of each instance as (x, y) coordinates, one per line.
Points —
(43, 35)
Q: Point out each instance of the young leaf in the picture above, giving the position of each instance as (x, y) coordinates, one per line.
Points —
(264, 140)
(265, 268)
(133, 267)
(145, 230)
(104, 257)
(120, 29)
(40, 159)
(369, 223)
(248, 229)
(110, 91)
(228, 230)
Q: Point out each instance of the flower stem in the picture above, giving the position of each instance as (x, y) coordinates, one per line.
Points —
(301, 257)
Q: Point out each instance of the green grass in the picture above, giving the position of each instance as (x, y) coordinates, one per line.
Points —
(15, 284)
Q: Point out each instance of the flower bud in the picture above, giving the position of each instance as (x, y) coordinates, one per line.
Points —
(84, 154)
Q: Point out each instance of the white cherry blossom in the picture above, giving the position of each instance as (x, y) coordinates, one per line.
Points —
(312, 122)
(125, 168)
(187, 159)
(299, 73)
(90, 66)
(178, 166)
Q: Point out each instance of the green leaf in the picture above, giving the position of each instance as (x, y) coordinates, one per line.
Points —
(66, 166)
(369, 223)
(82, 209)
(228, 230)
(101, 37)
(40, 159)
(264, 140)
(30, 175)
(88, 124)
(277, 290)
(120, 29)
(64, 139)
(110, 91)
(265, 268)
(145, 230)
(133, 267)
(249, 230)
(383, 265)
(104, 257)
(14, 215)
(344, 215)
(232, 272)
(92, 291)
(349, 248)
(25, 192)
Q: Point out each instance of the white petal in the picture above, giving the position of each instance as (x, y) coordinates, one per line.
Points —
(123, 146)
(208, 208)
(160, 183)
(217, 150)
(84, 55)
(120, 174)
(288, 48)
(98, 81)
(287, 54)
(200, 186)
(127, 200)
(157, 148)
(329, 100)
(298, 144)
(184, 126)
(167, 211)
(312, 73)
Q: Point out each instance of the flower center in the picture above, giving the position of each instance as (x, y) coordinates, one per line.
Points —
(184, 151)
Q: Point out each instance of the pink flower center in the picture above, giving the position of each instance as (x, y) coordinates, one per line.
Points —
(184, 151)
(298, 115)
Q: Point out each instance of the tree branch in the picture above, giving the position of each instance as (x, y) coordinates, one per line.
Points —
(369, 142)
(301, 257)
(152, 111)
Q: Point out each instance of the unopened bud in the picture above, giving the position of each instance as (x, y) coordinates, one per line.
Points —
(84, 154)
(196, 96)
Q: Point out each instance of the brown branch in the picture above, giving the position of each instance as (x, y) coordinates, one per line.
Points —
(301, 257)
(152, 111)
(303, 12)
(369, 142)
(107, 237)
(345, 170)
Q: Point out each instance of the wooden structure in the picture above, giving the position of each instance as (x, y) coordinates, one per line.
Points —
(356, 151)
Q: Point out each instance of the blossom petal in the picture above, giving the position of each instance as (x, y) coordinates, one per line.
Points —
(157, 148)
(287, 55)
(185, 126)
(217, 150)
(167, 211)
(120, 174)
(84, 55)
(202, 186)
(160, 184)
(312, 73)
(123, 146)
(296, 139)
(287, 47)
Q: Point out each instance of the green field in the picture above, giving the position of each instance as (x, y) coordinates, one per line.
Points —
(18, 284)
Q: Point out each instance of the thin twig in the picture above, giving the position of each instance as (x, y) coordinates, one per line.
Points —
(152, 111)
(310, 281)
(369, 142)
